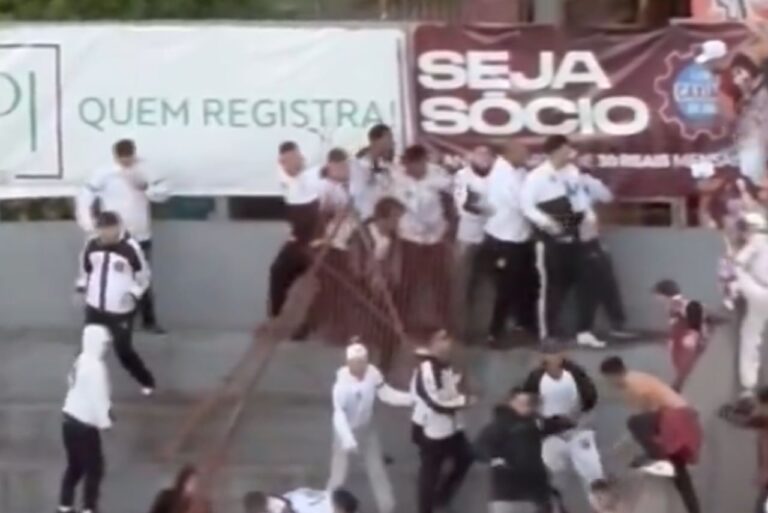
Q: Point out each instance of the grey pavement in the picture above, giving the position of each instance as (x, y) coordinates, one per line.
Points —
(284, 440)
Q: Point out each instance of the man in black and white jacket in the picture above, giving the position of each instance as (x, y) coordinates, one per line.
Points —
(443, 442)
(86, 413)
(126, 188)
(114, 275)
(566, 397)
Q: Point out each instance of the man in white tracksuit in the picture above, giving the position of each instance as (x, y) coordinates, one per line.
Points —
(751, 269)
(357, 386)
(86, 413)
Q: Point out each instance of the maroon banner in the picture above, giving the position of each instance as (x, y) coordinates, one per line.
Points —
(636, 103)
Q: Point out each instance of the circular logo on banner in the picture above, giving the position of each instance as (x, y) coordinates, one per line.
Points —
(689, 96)
(695, 94)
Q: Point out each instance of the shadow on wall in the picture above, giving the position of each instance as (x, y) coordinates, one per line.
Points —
(214, 274)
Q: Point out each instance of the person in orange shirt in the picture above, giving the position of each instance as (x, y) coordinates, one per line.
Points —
(666, 427)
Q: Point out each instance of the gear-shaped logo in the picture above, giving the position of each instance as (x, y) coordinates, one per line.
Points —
(689, 97)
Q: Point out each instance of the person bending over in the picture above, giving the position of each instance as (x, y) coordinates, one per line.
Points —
(666, 427)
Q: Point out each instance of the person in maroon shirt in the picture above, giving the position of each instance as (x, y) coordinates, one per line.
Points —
(755, 418)
(686, 329)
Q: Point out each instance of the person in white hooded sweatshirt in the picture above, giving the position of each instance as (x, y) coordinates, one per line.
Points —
(86, 413)
(357, 386)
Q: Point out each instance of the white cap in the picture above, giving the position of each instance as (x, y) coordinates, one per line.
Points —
(711, 50)
(356, 351)
(756, 220)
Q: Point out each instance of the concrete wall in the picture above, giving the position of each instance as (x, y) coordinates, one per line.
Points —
(213, 274)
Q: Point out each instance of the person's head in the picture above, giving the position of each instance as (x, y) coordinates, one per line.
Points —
(187, 482)
(743, 72)
(344, 502)
(441, 345)
(603, 495)
(665, 290)
(762, 401)
(290, 158)
(559, 150)
(109, 227)
(416, 160)
(552, 358)
(337, 165)
(255, 502)
(516, 153)
(520, 402)
(381, 143)
(387, 214)
(481, 158)
(357, 358)
(124, 152)
(614, 370)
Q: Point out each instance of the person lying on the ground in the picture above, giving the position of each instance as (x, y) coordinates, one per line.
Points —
(302, 500)
(756, 418)
(666, 427)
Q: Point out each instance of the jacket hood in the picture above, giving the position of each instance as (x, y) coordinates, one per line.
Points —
(96, 339)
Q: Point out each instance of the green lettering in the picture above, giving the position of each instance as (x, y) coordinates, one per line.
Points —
(170, 113)
(372, 115)
(114, 114)
(263, 113)
(146, 112)
(15, 93)
(237, 112)
(322, 105)
(92, 112)
(346, 112)
(301, 119)
(213, 110)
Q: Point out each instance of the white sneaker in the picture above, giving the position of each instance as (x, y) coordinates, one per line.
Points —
(659, 468)
(146, 391)
(587, 339)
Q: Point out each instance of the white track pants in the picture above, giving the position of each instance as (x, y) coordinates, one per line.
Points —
(752, 329)
(369, 449)
(577, 451)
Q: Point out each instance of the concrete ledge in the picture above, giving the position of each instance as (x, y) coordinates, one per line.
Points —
(213, 274)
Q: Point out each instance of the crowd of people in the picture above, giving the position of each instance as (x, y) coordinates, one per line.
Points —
(398, 228)
(424, 221)
(534, 230)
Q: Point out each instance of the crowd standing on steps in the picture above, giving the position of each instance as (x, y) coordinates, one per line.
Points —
(400, 228)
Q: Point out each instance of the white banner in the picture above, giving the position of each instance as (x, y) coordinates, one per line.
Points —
(206, 105)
